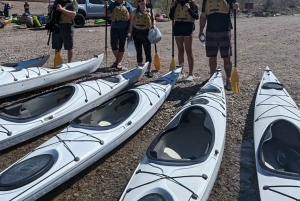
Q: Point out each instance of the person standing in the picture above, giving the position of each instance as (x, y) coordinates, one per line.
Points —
(64, 31)
(184, 13)
(7, 6)
(26, 7)
(218, 33)
(121, 15)
(139, 30)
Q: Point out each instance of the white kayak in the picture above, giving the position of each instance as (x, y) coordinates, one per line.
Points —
(34, 116)
(182, 162)
(277, 141)
(40, 61)
(28, 79)
(89, 137)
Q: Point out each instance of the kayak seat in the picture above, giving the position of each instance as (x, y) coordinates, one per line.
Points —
(281, 151)
(190, 140)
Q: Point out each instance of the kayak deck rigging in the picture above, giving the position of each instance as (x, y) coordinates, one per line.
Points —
(172, 179)
(282, 186)
(8, 133)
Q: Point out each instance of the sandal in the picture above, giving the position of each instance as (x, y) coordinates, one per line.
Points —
(119, 67)
(114, 65)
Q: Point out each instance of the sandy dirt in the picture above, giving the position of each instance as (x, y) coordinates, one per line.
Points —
(261, 42)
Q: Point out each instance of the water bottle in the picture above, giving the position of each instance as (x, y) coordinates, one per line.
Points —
(202, 39)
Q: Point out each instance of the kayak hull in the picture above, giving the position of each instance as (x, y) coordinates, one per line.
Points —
(36, 62)
(32, 78)
(81, 98)
(94, 142)
(276, 118)
(156, 173)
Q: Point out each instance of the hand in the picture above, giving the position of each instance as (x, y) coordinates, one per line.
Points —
(201, 34)
(172, 4)
(236, 6)
(58, 7)
(105, 3)
(186, 6)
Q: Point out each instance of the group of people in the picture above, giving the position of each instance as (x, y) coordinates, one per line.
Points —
(8, 6)
(135, 25)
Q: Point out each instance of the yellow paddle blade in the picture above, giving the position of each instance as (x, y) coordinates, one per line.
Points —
(172, 65)
(156, 61)
(58, 59)
(235, 84)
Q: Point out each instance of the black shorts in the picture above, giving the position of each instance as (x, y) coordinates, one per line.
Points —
(183, 29)
(216, 41)
(63, 37)
(118, 39)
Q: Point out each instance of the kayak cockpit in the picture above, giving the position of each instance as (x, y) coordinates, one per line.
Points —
(279, 149)
(37, 106)
(189, 138)
(111, 113)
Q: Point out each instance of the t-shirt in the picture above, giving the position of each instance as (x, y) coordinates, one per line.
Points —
(119, 24)
(218, 22)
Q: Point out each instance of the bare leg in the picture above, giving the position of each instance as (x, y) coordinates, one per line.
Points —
(227, 68)
(188, 41)
(119, 58)
(212, 65)
(70, 55)
(179, 43)
(116, 53)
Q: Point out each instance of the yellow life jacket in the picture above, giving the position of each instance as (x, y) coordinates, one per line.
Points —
(181, 15)
(217, 6)
(120, 14)
(142, 20)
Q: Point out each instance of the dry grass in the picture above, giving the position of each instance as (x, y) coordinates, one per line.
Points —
(261, 42)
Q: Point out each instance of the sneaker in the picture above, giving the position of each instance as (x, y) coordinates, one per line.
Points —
(189, 78)
(228, 86)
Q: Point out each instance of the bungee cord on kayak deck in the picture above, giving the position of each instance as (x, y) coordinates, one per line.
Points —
(215, 99)
(163, 176)
(158, 87)
(275, 106)
(8, 132)
(279, 186)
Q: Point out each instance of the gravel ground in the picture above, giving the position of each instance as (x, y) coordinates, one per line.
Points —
(272, 42)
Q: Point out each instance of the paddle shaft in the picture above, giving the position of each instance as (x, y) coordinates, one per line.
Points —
(106, 33)
(234, 30)
(173, 36)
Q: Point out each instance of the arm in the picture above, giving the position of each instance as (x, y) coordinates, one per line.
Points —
(193, 10)
(202, 22)
(172, 12)
(130, 10)
(131, 23)
(108, 10)
(70, 13)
